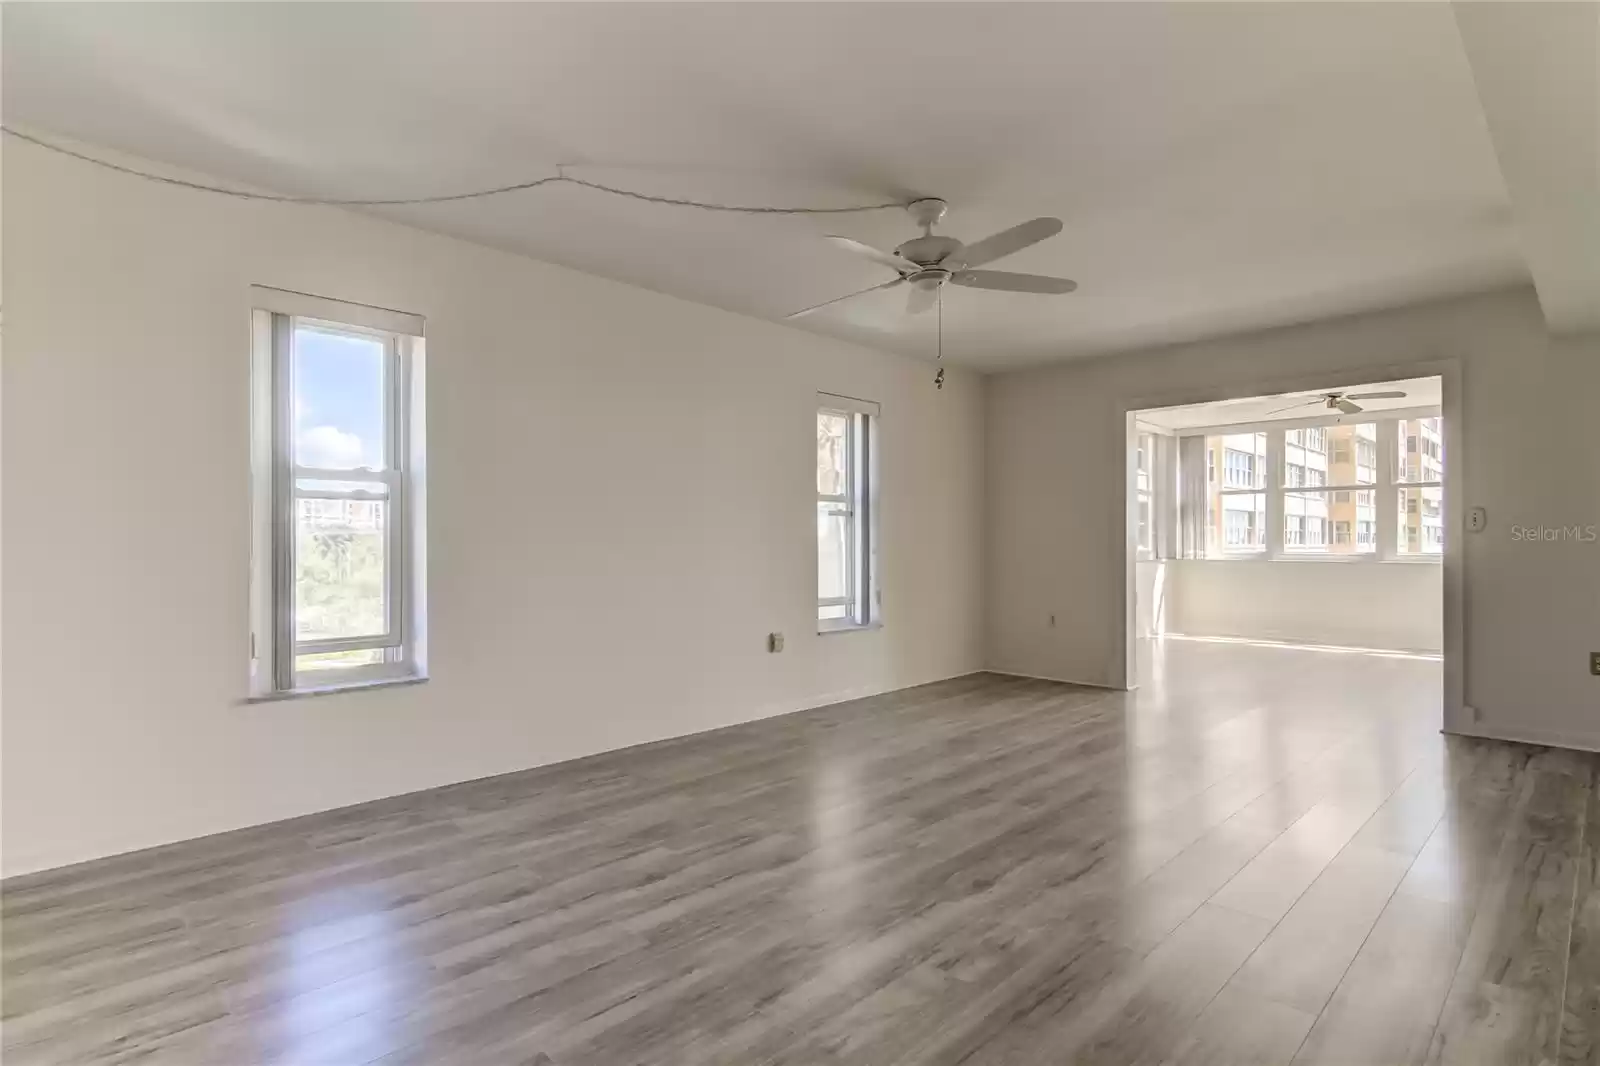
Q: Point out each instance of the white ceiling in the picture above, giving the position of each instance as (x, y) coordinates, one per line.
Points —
(1219, 167)
(1291, 406)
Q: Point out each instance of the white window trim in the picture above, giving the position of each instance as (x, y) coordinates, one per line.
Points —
(1162, 461)
(858, 501)
(275, 499)
(1145, 444)
(1266, 458)
(1386, 489)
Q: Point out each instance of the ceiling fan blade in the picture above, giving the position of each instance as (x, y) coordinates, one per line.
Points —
(1350, 408)
(1005, 242)
(1374, 395)
(1294, 406)
(921, 299)
(1007, 281)
(867, 251)
(846, 296)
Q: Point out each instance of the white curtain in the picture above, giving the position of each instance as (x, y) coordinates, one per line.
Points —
(1192, 500)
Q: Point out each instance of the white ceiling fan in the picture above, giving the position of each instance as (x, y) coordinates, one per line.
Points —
(925, 263)
(1341, 401)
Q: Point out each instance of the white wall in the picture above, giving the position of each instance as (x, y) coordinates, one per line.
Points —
(1156, 605)
(1366, 605)
(620, 489)
(1528, 453)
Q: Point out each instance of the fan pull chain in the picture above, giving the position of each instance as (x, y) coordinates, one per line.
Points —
(938, 379)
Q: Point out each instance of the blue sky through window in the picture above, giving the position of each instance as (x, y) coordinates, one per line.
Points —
(338, 400)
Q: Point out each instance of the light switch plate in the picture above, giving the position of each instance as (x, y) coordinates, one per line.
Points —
(774, 642)
(1477, 520)
(1594, 663)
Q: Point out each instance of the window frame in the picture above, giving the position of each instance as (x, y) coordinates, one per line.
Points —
(1429, 441)
(858, 504)
(1144, 487)
(1387, 451)
(1256, 460)
(276, 648)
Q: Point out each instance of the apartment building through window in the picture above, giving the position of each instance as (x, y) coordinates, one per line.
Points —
(1327, 489)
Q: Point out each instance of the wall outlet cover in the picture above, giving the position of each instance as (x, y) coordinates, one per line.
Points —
(1477, 520)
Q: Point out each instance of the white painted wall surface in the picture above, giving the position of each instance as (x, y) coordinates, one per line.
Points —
(1397, 606)
(1156, 606)
(621, 508)
(1530, 454)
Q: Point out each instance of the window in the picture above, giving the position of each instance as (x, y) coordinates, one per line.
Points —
(1145, 484)
(1316, 460)
(845, 431)
(1243, 527)
(1237, 511)
(1321, 500)
(1337, 489)
(336, 550)
(1419, 502)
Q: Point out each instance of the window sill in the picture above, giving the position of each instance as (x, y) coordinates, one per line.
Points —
(1354, 559)
(334, 690)
(848, 627)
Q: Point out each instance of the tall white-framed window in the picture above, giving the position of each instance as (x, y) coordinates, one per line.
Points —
(1324, 469)
(1144, 490)
(1325, 488)
(337, 461)
(1419, 477)
(1237, 503)
(847, 595)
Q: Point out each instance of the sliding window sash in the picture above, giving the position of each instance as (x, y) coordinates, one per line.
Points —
(283, 553)
(855, 506)
(286, 497)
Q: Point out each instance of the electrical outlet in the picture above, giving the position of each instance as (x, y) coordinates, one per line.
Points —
(1594, 663)
(1477, 520)
(774, 642)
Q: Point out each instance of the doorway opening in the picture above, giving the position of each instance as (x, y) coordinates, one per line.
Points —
(1315, 519)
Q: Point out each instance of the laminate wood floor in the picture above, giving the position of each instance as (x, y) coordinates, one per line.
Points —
(1265, 855)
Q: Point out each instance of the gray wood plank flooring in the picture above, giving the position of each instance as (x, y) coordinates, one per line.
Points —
(1263, 856)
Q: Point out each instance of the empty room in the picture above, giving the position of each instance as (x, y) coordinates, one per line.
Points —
(626, 534)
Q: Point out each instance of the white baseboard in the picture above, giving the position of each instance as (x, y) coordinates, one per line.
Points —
(1543, 738)
(1060, 680)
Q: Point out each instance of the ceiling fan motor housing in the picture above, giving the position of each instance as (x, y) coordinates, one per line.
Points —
(931, 278)
(929, 250)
